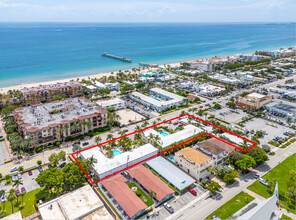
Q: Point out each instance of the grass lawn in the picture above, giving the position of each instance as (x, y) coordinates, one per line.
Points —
(28, 209)
(232, 206)
(281, 174)
(145, 198)
(284, 217)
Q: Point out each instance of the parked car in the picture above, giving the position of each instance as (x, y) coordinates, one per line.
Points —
(14, 169)
(19, 176)
(256, 176)
(30, 173)
(40, 169)
(85, 143)
(17, 192)
(62, 165)
(23, 190)
(49, 165)
(193, 192)
(263, 181)
(168, 207)
(3, 198)
(13, 178)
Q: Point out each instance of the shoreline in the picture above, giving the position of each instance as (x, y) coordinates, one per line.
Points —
(107, 74)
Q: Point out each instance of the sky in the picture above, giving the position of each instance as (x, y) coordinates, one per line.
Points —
(147, 10)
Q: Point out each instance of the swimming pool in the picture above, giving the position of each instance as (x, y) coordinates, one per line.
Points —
(172, 159)
(116, 152)
(164, 134)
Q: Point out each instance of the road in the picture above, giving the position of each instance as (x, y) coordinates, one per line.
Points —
(207, 206)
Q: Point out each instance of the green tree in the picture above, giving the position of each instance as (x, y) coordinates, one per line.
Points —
(21, 169)
(54, 159)
(246, 162)
(39, 162)
(16, 185)
(62, 155)
(11, 196)
(2, 193)
(213, 187)
(229, 177)
(258, 154)
(98, 139)
(152, 195)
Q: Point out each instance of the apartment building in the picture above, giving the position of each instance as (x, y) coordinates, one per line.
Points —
(115, 103)
(44, 93)
(253, 101)
(193, 162)
(54, 121)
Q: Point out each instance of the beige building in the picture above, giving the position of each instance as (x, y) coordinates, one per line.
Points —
(253, 101)
(54, 121)
(44, 93)
(193, 162)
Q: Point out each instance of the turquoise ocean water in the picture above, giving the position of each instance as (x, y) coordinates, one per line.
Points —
(36, 52)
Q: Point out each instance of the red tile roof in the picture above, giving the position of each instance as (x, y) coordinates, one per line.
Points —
(150, 182)
(125, 197)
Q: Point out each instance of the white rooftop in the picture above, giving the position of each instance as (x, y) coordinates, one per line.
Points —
(255, 95)
(73, 205)
(105, 164)
(187, 132)
(110, 102)
(14, 216)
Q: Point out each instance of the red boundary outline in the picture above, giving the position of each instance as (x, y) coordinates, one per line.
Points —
(254, 144)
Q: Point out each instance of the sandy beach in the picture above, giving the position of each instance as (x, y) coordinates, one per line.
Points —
(95, 76)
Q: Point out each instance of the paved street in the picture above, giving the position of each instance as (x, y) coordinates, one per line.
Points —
(204, 208)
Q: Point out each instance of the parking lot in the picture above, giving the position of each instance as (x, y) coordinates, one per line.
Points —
(128, 116)
(141, 109)
(177, 203)
(272, 129)
(230, 115)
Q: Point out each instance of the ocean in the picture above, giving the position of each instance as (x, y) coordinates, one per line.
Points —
(37, 52)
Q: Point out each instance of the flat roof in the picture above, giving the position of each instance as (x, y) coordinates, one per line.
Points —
(187, 132)
(124, 196)
(150, 182)
(110, 102)
(215, 146)
(73, 205)
(14, 216)
(191, 155)
(105, 164)
(170, 172)
(255, 95)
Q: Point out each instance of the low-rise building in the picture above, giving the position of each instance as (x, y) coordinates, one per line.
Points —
(149, 182)
(214, 148)
(210, 90)
(45, 93)
(284, 108)
(253, 101)
(112, 86)
(115, 103)
(54, 121)
(82, 203)
(170, 173)
(122, 197)
(158, 99)
(107, 166)
(225, 79)
(14, 216)
(193, 162)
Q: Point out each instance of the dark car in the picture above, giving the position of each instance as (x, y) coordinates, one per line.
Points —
(23, 190)
(40, 169)
(85, 143)
(17, 192)
(62, 165)
(30, 173)
(193, 192)
(49, 165)
(256, 176)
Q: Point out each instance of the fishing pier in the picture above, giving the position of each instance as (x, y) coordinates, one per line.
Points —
(116, 57)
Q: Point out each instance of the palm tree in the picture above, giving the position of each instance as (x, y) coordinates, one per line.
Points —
(122, 133)
(145, 124)
(157, 140)
(2, 192)
(76, 147)
(150, 137)
(11, 196)
(137, 128)
(91, 161)
(98, 139)
(109, 137)
(109, 153)
(16, 185)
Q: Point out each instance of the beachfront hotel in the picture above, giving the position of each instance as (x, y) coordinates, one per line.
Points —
(159, 99)
(44, 93)
(54, 121)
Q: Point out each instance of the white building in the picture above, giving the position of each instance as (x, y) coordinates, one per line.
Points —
(202, 65)
(112, 86)
(210, 90)
(146, 79)
(107, 166)
(92, 88)
(168, 139)
(252, 57)
(115, 103)
(82, 203)
(158, 100)
(193, 162)
(225, 79)
(100, 85)
(130, 83)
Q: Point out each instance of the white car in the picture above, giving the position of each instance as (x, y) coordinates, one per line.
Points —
(263, 181)
(3, 198)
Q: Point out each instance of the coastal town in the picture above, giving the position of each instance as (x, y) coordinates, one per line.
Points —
(205, 139)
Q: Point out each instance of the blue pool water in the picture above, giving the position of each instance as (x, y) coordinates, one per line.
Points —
(172, 159)
(164, 134)
(36, 52)
(116, 152)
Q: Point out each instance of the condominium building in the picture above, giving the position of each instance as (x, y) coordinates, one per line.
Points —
(112, 103)
(193, 162)
(54, 121)
(209, 64)
(253, 101)
(44, 93)
(159, 99)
